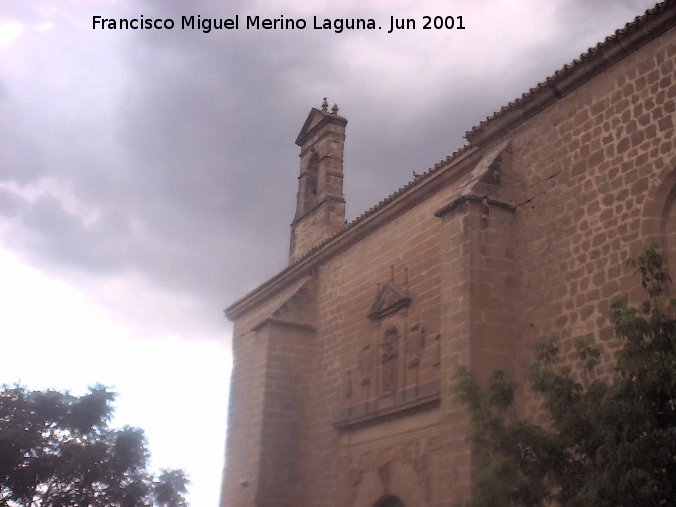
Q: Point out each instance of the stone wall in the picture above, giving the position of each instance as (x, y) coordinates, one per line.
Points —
(586, 168)
(344, 363)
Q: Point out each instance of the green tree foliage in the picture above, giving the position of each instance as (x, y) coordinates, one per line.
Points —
(609, 441)
(170, 488)
(58, 450)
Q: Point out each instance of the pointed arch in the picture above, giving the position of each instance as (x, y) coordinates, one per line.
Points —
(389, 501)
(659, 219)
(669, 234)
(392, 482)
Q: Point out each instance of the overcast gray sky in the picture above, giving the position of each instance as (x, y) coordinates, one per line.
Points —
(155, 171)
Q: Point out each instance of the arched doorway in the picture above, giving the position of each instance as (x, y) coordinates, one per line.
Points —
(389, 501)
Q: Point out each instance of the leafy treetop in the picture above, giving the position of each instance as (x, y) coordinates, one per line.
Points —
(610, 441)
(57, 449)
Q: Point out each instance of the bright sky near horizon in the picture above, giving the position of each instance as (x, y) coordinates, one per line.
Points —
(148, 178)
(174, 389)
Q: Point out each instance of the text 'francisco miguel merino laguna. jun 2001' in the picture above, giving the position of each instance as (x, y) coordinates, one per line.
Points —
(250, 22)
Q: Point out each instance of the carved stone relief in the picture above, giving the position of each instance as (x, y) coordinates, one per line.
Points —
(348, 384)
(415, 345)
(386, 376)
(437, 350)
(389, 345)
(404, 470)
(366, 365)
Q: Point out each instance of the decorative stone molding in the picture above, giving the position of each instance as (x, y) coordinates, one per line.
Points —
(366, 365)
(390, 299)
(398, 473)
(415, 345)
(405, 401)
(389, 360)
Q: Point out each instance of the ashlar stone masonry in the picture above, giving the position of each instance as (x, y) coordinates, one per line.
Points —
(342, 389)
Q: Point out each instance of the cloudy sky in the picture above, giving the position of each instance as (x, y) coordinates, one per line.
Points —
(148, 177)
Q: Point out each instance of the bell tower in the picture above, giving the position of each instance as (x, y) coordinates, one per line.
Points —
(320, 206)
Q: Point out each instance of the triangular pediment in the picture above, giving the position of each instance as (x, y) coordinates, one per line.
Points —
(313, 120)
(297, 308)
(390, 299)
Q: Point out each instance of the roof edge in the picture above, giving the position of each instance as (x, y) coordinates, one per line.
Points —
(453, 167)
(653, 23)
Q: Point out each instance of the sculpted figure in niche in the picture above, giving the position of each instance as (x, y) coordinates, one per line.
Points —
(348, 384)
(415, 345)
(390, 352)
(366, 365)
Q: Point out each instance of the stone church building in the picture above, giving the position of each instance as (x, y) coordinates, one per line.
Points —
(342, 388)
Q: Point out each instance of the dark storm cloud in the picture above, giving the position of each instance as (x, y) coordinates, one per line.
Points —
(190, 164)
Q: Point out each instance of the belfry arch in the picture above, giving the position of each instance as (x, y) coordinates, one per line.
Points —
(310, 177)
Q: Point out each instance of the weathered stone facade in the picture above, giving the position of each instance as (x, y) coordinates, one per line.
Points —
(341, 392)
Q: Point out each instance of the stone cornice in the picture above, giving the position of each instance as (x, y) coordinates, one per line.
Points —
(314, 208)
(473, 198)
(284, 323)
(406, 401)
